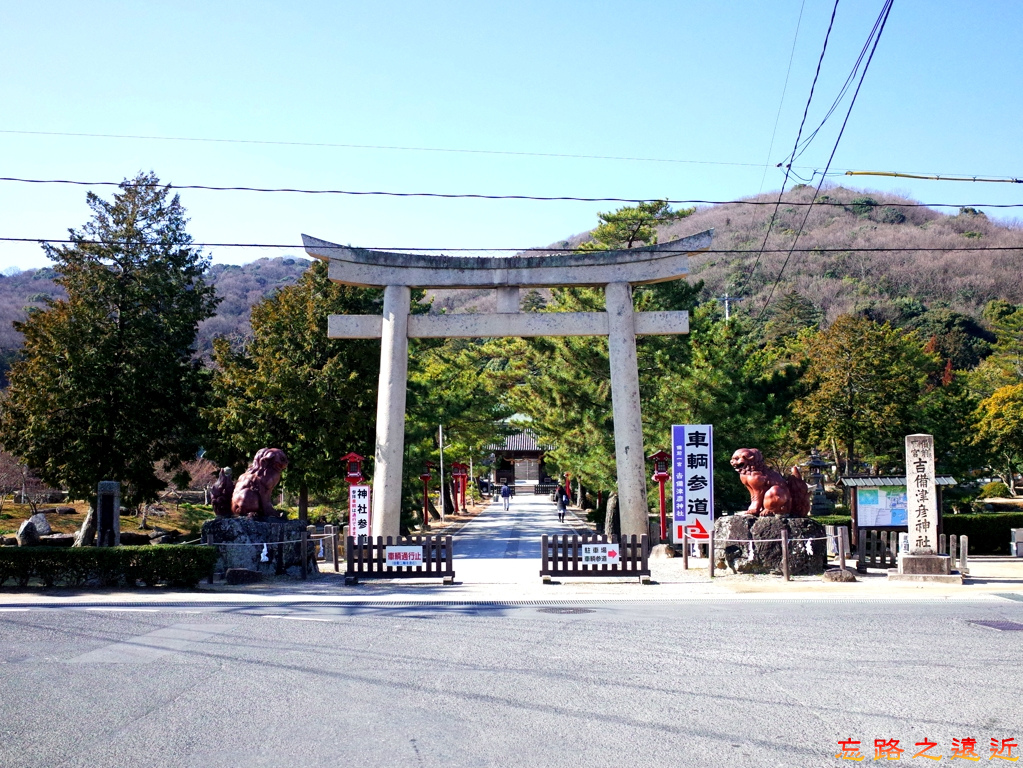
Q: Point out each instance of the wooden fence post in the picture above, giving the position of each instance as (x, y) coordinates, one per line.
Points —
(841, 546)
(785, 554)
(209, 541)
(685, 550)
(305, 555)
(710, 554)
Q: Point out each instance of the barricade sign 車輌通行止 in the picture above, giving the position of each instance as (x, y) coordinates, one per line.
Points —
(407, 557)
(404, 557)
(596, 554)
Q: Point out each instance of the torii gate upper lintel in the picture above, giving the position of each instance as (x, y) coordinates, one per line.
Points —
(615, 271)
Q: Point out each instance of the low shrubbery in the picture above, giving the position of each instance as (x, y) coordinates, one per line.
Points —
(988, 533)
(995, 490)
(173, 566)
(845, 520)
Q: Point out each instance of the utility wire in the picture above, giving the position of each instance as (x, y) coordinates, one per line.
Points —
(935, 176)
(788, 165)
(841, 93)
(781, 102)
(885, 11)
(396, 148)
(479, 196)
(527, 250)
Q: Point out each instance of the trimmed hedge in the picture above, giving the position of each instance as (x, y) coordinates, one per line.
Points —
(988, 533)
(845, 520)
(173, 566)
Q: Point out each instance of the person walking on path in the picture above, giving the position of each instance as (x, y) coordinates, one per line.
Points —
(562, 499)
(506, 494)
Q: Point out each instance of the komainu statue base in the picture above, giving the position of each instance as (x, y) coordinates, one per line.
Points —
(748, 544)
(271, 548)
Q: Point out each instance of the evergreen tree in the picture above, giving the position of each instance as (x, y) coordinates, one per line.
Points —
(293, 388)
(108, 386)
(633, 225)
(863, 385)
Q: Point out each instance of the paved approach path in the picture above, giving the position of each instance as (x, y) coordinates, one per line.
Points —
(503, 547)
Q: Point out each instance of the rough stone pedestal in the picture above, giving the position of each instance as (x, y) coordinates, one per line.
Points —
(936, 569)
(747, 544)
(243, 541)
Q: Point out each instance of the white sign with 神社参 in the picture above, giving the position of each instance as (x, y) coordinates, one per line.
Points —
(359, 512)
(601, 554)
(921, 495)
(403, 557)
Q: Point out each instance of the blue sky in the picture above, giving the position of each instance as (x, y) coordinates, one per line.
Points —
(675, 81)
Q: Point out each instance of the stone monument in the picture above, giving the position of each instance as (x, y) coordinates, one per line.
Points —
(108, 514)
(923, 562)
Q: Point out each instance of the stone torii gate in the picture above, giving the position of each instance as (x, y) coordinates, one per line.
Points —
(615, 271)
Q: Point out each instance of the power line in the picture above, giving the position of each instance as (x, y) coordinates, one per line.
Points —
(527, 250)
(883, 16)
(935, 176)
(781, 102)
(386, 147)
(788, 165)
(481, 196)
(842, 91)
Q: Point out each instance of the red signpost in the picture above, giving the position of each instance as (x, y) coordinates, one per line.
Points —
(661, 459)
(459, 471)
(425, 477)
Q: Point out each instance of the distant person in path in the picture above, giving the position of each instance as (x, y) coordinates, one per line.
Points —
(561, 496)
(506, 494)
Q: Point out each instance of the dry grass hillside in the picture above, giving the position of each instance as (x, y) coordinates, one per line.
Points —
(837, 278)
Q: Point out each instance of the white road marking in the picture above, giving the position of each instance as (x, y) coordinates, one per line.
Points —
(12, 610)
(298, 618)
(126, 610)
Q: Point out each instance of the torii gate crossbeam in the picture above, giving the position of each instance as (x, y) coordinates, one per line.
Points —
(615, 271)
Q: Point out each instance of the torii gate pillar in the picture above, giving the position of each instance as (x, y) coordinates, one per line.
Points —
(615, 271)
(390, 447)
(628, 419)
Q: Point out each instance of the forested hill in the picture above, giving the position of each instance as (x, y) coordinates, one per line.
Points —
(238, 287)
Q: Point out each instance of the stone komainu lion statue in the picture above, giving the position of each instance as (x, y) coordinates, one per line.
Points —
(221, 492)
(770, 493)
(251, 495)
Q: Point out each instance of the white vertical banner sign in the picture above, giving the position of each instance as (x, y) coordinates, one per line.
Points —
(359, 512)
(692, 456)
(921, 495)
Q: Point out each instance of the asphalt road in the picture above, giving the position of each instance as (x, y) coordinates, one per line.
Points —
(730, 682)
(501, 546)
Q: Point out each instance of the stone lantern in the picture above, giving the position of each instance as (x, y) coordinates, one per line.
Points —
(819, 505)
(661, 460)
